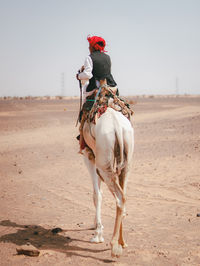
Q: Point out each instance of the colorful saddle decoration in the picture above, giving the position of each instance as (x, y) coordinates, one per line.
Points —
(108, 98)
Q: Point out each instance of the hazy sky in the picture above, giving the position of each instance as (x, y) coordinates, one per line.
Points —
(154, 44)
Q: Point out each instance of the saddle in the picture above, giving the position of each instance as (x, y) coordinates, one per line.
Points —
(108, 98)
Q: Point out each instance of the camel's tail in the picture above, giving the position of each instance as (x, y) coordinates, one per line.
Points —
(119, 150)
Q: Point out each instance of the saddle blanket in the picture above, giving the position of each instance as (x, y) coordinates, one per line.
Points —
(107, 98)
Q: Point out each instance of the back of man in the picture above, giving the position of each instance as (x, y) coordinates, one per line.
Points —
(97, 68)
(101, 70)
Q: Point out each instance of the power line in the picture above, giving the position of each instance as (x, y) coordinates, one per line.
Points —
(177, 86)
(62, 84)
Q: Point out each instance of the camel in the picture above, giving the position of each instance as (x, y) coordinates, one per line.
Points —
(108, 159)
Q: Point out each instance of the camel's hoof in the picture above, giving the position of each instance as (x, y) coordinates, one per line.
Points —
(97, 239)
(116, 250)
(124, 245)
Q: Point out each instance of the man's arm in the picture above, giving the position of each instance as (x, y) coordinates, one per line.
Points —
(87, 69)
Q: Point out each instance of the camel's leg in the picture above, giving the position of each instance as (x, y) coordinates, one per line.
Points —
(116, 247)
(112, 182)
(123, 182)
(121, 238)
(97, 198)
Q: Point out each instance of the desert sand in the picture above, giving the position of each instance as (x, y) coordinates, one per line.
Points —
(44, 184)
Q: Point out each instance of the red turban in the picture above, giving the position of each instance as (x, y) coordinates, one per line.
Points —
(97, 43)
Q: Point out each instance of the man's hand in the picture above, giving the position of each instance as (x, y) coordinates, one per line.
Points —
(82, 68)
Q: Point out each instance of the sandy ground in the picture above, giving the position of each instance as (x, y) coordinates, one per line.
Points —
(44, 184)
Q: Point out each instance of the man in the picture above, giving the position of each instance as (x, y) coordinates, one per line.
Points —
(95, 72)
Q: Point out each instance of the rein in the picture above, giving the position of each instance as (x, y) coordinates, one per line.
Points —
(80, 106)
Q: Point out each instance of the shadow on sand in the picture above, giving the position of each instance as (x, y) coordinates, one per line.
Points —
(44, 239)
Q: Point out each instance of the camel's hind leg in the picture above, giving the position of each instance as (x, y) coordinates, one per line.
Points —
(120, 213)
(121, 238)
(116, 246)
(111, 179)
(97, 198)
(122, 182)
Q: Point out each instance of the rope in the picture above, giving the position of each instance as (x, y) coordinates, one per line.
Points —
(99, 90)
(90, 100)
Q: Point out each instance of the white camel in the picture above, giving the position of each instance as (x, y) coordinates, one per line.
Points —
(112, 141)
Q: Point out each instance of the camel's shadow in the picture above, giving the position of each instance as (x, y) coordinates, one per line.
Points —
(44, 239)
